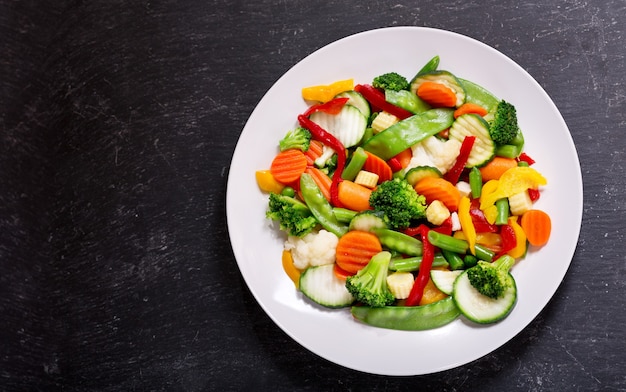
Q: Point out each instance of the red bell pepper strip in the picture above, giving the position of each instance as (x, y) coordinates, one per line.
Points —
(333, 106)
(428, 254)
(509, 240)
(394, 164)
(533, 194)
(377, 99)
(454, 173)
(523, 157)
(331, 141)
(480, 220)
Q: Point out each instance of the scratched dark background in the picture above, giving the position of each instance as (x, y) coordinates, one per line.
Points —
(117, 125)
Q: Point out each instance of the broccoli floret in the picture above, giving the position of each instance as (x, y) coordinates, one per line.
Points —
(391, 81)
(299, 138)
(491, 279)
(503, 128)
(369, 285)
(293, 215)
(398, 200)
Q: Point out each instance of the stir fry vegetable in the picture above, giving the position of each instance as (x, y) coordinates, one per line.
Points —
(408, 200)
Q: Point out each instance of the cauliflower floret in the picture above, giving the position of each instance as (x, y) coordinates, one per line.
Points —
(435, 152)
(315, 248)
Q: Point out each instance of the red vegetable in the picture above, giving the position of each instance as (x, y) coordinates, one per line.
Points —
(423, 276)
(509, 240)
(333, 106)
(466, 147)
(523, 157)
(377, 99)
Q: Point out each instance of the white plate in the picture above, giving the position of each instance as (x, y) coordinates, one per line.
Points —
(334, 335)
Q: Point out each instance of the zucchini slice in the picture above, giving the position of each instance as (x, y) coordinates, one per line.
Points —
(321, 286)
(348, 126)
(444, 279)
(480, 308)
(473, 125)
(357, 100)
(444, 77)
(415, 174)
(368, 220)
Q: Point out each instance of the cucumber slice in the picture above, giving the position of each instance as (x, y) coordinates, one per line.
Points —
(480, 308)
(444, 77)
(368, 221)
(357, 100)
(415, 174)
(321, 286)
(348, 126)
(473, 125)
(444, 279)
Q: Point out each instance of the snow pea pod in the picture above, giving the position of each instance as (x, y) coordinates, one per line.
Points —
(409, 318)
(399, 242)
(409, 132)
(319, 206)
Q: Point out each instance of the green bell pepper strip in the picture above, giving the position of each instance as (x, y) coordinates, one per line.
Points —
(411, 264)
(409, 132)
(409, 318)
(319, 206)
(399, 242)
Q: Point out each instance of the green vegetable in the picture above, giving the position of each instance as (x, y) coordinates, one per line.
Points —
(411, 264)
(484, 148)
(503, 128)
(398, 200)
(475, 182)
(368, 220)
(369, 285)
(407, 101)
(359, 156)
(391, 81)
(456, 245)
(319, 206)
(443, 77)
(399, 242)
(298, 138)
(294, 217)
(502, 211)
(477, 94)
(430, 66)
(409, 318)
(409, 132)
(454, 259)
(514, 148)
(343, 215)
(491, 279)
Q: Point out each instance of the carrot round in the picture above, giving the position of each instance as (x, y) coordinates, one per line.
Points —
(288, 165)
(537, 226)
(355, 249)
(437, 94)
(354, 196)
(321, 179)
(470, 108)
(434, 188)
(494, 168)
(375, 164)
(340, 273)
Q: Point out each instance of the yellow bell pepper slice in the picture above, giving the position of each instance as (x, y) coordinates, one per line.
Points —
(520, 239)
(467, 226)
(267, 182)
(324, 93)
(512, 181)
(290, 269)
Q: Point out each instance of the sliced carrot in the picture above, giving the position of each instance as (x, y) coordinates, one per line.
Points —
(355, 249)
(468, 108)
(377, 165)
(434, 188)
(494, 168)
(315, 151)
(431, 294)
(340, 273)
(321, 179)
(404, 157)
(354, 196)
(437, 94)
(537, 226)
(288, 165)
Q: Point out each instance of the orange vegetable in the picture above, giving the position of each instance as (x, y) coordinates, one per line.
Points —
(267, 183)
(340, 273)
(354, 196)
(321, 179)
(431, 294)
(433, 188)
(375, 164)
(496, 167)
(537, 226)
(404, 157)
(355, 249)
(290, 268)
(437, 94)
(468, 108)
(288, 165)
(315, 151)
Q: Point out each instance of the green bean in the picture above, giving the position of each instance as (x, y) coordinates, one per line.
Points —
(502, 208)
(476, 182)
(410, 264)
(359, 156)
(483, 253)
(470, 261)
(444, 241)
(454, 259)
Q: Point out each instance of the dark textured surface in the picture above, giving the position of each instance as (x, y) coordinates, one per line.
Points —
(117, 125)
